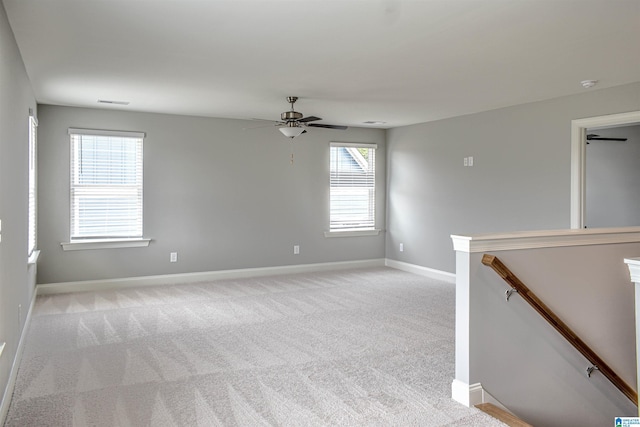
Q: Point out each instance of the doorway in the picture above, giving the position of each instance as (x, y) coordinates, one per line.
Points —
(579, 130)
(613, 177)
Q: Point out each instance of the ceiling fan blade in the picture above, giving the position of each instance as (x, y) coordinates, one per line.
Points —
(260, 127)
(320, 125)
(309, 119)
(266, 120)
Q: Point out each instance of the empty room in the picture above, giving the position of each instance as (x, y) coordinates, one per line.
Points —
(319, 213)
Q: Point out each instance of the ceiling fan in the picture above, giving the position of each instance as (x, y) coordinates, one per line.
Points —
(293, 123)
(594, 137)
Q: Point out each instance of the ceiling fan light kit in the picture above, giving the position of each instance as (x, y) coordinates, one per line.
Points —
(291, 131)
(293, 123)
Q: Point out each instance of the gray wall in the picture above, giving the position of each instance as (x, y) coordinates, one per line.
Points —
(613, 179)
(520, 179)
(16, 279)
(220, 196)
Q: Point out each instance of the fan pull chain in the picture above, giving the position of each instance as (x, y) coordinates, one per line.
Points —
(291, 153)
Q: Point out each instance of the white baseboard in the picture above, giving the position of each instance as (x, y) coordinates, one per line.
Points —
(172, 279)
(468, 395)
(473, 394)
(422, 271)
(13, 374)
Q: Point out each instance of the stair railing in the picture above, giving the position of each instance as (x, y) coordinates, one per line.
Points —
(596, 362)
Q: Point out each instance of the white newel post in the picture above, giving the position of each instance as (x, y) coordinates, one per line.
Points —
(461, 389)
(634, 269)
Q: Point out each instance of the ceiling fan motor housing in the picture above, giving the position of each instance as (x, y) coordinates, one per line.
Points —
(291, 115)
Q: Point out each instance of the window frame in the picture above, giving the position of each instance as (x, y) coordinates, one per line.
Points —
(358, 230)
(102, 242)
(32, 198)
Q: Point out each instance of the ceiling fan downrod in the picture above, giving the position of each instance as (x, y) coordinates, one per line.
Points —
(290, 116)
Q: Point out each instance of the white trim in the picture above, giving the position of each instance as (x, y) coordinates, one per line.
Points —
(578, 157)
(634, 269)
(102, 132)
(82, 245)
(32, 219)
(472, 395)
(353, 144)
(352, 233)
(13, 374)
(172, 279)
(444, 276)
(33, 258)
(468, 395)
(544, 239)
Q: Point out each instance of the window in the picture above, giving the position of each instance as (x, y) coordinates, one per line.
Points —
(106, 185)
(352, 187)
(33, 165)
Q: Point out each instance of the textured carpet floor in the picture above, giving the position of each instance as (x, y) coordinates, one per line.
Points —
(370, 347)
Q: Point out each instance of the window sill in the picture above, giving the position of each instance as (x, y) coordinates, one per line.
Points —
(82, 245)
(33, 258)
(352, 233)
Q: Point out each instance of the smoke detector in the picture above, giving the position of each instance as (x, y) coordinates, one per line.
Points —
(588, 83)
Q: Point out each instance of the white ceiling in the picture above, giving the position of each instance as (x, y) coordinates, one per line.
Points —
(397, 61)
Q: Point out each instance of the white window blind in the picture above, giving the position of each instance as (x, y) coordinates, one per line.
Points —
(352, 186)
(106, 184)
(33, 165)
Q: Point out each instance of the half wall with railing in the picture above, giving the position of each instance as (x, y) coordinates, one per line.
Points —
(510, 355)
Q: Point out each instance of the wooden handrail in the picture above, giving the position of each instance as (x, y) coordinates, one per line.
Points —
(564, 330)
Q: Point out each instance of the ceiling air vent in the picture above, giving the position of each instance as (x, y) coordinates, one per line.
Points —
(107, 101)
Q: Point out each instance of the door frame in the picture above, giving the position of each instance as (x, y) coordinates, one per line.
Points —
(579, 157)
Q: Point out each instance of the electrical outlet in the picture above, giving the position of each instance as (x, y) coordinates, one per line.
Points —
(470, 161)
(296, 249)
(401, 247)
(466, 161)
(173, 257)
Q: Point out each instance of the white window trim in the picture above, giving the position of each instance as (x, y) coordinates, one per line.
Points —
(81, 245)
(99, 132)
(115, 243)
(33, 162)
(353, 233)
(354, 144)
(33, 258)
